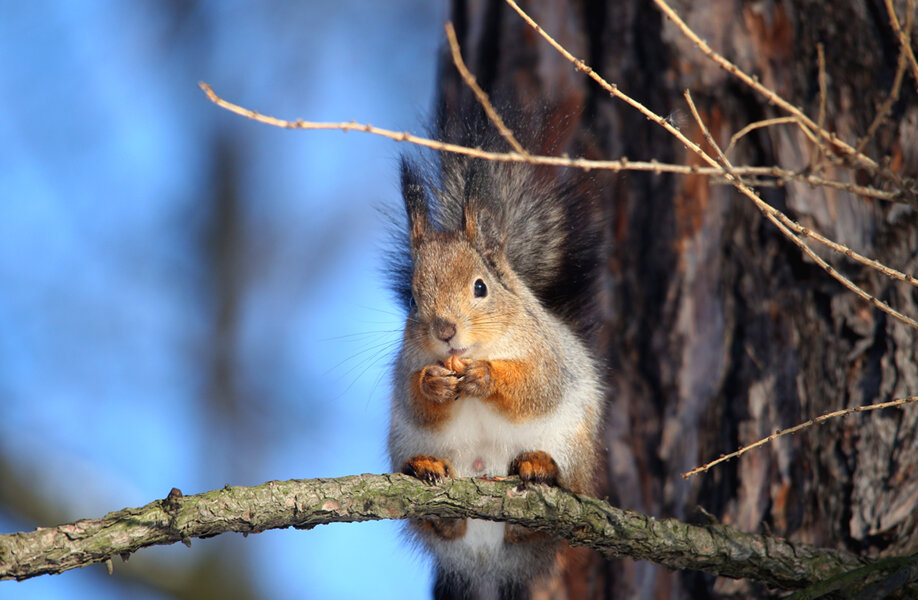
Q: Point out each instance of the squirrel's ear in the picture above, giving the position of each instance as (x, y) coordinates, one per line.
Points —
(484, 231)
(415, 202)
(470, 220)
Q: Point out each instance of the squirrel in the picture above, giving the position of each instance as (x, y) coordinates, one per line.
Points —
(493, 377)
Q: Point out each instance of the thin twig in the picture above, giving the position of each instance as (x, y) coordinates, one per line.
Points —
(480, 93)
(904, 35)
(823, 85)
(806, 124)
(800, 427)
(789, 228)
(769, 94)
(785, 175)
(845, 251)
(821, 119)
(759, 125)
(853, 188)
(622, 164)
(611, 88)
(652, 166)
(886, 106)
(779, 219)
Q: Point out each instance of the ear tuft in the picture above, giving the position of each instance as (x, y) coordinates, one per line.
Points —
(416, 205)
(470, 220)
(487, 234)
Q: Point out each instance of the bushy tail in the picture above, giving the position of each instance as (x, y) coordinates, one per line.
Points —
(449, 586)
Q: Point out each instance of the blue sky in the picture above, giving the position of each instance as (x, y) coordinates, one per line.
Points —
(107, 292)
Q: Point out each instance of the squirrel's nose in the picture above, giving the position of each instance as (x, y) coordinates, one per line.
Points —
(443, 329)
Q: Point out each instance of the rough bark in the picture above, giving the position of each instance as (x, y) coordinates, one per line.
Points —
(716, 328)
(211, 574)
(304, 504)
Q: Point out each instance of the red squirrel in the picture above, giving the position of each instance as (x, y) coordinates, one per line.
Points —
(492, 378)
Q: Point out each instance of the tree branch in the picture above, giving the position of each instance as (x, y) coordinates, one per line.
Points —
(212, 574)
(305, 503)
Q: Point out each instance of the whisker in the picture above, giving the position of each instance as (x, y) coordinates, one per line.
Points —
(373, 363)
(381, 346)
(363, 334)
(380, 310)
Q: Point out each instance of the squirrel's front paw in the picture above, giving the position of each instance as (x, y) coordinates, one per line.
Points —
(428, 468)
(438, 384)
(476, 379)
(535, 467)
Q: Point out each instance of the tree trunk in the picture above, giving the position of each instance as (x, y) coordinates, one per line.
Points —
(717, 330)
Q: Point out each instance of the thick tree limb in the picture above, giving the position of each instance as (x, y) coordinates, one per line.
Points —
(718, 549)
(209, 575)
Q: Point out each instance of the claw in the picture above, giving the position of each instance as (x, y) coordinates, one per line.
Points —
(428, 469)
(535, 467)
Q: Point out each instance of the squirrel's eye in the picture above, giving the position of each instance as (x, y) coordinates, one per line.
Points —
(481, 290)
(410, 302)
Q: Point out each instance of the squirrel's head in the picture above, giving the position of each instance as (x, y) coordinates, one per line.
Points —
(463, 294)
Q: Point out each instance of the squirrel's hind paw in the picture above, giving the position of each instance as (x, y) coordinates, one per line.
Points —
(429, 469)
(535, 467)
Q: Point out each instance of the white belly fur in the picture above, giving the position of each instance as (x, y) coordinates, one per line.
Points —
(476, 433)
(479, 441)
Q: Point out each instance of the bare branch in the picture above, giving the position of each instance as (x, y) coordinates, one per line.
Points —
(901, 402)
(789, 228)
(558, 161)
(904, 35)
(781, 221)
(784, 224)
(479, 93)
(611, 88)
(303, 504)
(759, 125)
(823, 97)
(770, 95)
(623, 164)
(886, 106)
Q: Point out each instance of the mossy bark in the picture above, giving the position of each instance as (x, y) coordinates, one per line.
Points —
(582, 520)
(716, 328)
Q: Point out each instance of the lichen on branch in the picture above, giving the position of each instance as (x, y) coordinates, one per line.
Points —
(305, 503)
